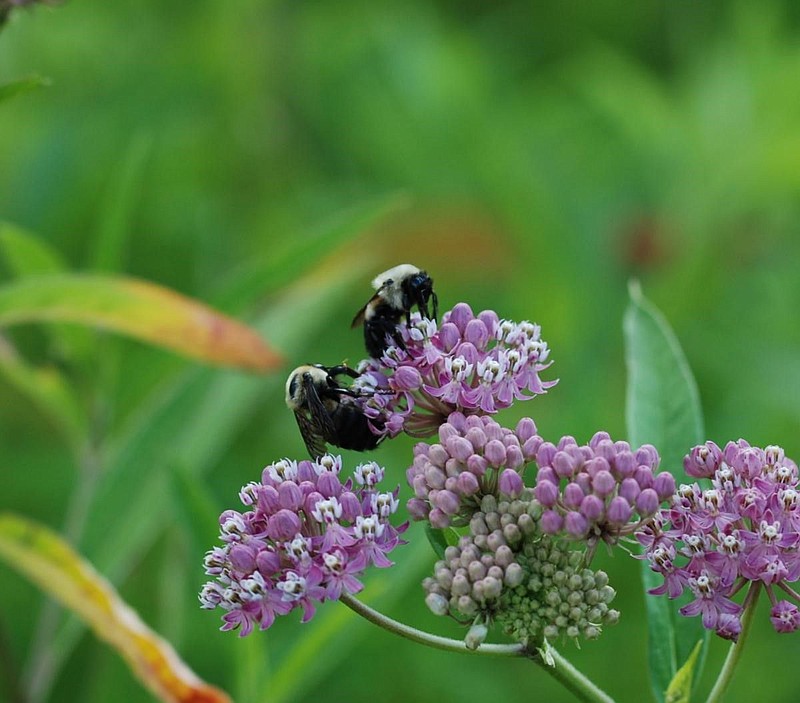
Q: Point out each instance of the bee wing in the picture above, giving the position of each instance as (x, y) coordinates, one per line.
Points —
(359, 318)
(317, 427)
(314, 442)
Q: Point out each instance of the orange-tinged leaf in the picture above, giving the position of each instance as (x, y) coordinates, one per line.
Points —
(44, 558)
(139, 309)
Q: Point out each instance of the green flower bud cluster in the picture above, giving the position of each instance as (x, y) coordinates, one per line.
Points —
(507, 571)
(559, 596)
(469, 582)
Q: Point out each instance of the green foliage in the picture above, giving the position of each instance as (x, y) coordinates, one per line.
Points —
(663, 409)
(21, 86)
(680, 688)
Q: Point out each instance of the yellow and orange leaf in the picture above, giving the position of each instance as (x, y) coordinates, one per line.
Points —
(48, 561)
(139, 309)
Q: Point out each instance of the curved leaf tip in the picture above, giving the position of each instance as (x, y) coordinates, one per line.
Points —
(139, 309)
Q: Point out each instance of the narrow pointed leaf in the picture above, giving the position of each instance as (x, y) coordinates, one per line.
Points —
(663, 409)
(119, 205)
(437, 540)
(441, 539)
(48, 390)
(680, 688)
(294, 256)
(22, 85)
(26, 254)
(139, 309)
(44, 558)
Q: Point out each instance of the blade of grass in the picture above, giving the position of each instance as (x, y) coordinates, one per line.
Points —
(49, 391)
(119, 205)
(297, 255)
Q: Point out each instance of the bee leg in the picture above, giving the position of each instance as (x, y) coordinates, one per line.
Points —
(397, 338)
(343, 369)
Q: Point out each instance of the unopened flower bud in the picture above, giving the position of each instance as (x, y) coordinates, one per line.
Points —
(592, 508)
(438, 519)
(437, 604)
(512, 532)
(446, 501)
(526, 429)
(664, 485)
(492, 587)
(476, 636)
(546, 493)
(647, 503)
(551, 522)
(417, 509)
(510, 483)
(575, 524)
(619, 511)
(603, 484)
(573, 496)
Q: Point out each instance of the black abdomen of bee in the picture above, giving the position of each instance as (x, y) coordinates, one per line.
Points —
(353, 430)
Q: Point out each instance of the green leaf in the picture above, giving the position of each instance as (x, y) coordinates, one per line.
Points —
(139, 309)
(663, 409)
(46, 560)
(441, 539)
(48, 390)
(680, 688)
(119, 205)
(26, 254)
(196, 510)
(294, 256)
(22, 85)
(437, 540)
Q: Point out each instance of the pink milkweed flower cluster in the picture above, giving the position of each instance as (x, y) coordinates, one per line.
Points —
(471, 364)
(305, 538)
(603, 490)
(474, 457)
(744, 529)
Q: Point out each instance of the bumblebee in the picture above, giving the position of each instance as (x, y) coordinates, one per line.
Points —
(326, 412)
(397, 291)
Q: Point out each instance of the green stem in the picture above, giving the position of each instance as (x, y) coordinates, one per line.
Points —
(726, 674)
(551, 661)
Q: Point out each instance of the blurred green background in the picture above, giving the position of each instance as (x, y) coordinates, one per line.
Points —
(270, 158)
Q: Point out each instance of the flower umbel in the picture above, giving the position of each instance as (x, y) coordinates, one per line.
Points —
(476, 365)
(744, 530)
(474, 457)
(306, 538)
(512, 567)
(603, 490)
